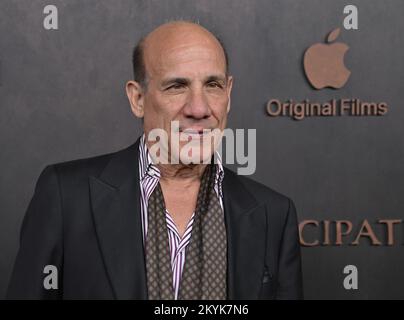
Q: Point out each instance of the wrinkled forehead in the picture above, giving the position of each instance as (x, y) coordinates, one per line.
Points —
(183, 49)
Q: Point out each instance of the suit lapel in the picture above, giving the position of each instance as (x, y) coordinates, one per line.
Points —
(115, 199)
(246, 236)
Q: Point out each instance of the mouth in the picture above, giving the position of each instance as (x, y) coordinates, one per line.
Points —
(195, 134)
(195, 131)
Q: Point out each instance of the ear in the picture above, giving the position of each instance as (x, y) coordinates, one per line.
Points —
(135, 94)
(229, 87)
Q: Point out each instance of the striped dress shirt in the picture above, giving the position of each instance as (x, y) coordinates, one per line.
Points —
(149, 178)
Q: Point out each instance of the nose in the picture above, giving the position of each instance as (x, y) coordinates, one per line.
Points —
(197, 107)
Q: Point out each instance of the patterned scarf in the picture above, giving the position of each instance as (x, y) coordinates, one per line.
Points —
(204, 274)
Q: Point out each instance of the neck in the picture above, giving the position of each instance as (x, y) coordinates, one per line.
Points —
(185, 173)
(190, 173)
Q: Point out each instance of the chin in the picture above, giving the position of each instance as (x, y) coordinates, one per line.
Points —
(194, 153)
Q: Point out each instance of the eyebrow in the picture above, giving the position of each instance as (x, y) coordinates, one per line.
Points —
(186, 81)
(170, 81)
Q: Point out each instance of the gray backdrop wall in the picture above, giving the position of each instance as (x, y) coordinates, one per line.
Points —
(62, 97)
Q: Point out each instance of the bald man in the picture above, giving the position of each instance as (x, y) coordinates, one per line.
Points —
(156, 220)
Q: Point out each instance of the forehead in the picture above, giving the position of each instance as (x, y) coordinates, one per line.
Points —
(183, 51)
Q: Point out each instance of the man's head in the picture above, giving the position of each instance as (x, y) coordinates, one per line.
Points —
(181, 74)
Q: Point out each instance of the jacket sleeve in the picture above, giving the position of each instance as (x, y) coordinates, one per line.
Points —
(41, 243)
(290, 284)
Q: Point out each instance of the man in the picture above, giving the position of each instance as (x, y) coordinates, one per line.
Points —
(128, 226)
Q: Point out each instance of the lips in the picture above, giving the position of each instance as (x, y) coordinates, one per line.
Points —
(195, 131)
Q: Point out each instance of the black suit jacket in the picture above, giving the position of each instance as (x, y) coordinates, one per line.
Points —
(84, 218)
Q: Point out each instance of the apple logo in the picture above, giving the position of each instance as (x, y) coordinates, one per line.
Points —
(324, 63)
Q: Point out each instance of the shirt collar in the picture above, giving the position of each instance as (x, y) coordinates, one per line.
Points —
(146, 165)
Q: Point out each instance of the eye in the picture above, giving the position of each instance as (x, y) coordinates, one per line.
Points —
(214, 84)
(175, 86)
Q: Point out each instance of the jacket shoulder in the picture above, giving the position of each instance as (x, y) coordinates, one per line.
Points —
(262, 193)
(86, 166)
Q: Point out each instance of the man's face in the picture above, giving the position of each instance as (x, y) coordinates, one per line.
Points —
(186, 82)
